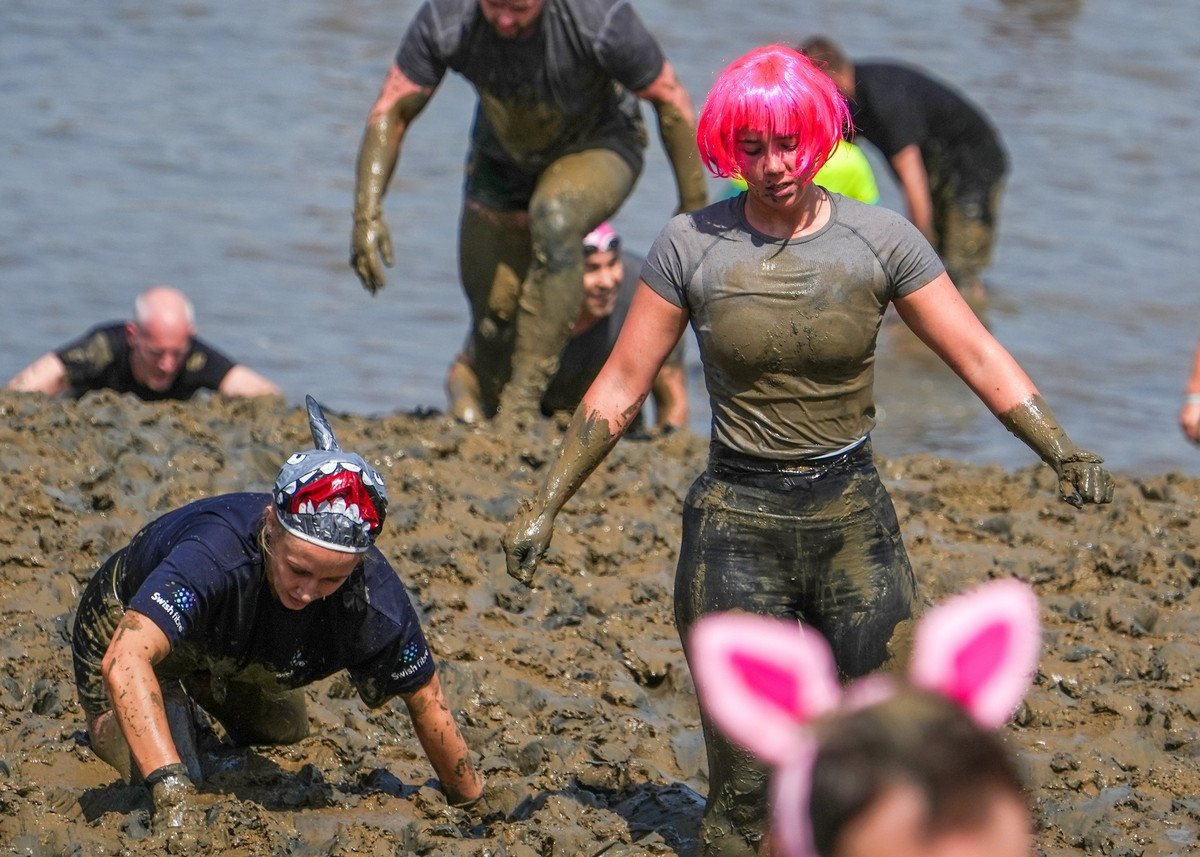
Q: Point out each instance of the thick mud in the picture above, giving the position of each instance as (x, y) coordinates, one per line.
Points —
(574, 695)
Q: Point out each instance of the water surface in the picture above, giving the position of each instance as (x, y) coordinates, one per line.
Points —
(211, 146)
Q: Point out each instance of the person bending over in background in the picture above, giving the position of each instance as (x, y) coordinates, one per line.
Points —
(945, 153)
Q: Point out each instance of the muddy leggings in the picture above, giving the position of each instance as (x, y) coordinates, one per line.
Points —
(819, 543)
(523, 276)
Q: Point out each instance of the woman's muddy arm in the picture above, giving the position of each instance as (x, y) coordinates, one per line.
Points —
(128, 669)
(651, 330)
(941, 318)
(443, 743)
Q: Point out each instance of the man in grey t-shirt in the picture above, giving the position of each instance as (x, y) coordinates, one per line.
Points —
(556, 146)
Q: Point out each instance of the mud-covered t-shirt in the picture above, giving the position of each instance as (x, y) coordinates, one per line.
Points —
(584, 355)
(197, 573)
(895, 106)
(100, 360)
(566, 88)
(787, 328)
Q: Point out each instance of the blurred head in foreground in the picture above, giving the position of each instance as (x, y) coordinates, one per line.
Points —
(902, 769)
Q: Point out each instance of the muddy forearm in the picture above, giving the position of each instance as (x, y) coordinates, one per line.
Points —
(141, 713)
(1081, 478)
(378, 155)
(443, 743)
(588, 439)
(379, 151)
(1035, 424)
(679, 140)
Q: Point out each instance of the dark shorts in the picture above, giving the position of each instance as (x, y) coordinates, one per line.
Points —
(503, 186)
(96, 620)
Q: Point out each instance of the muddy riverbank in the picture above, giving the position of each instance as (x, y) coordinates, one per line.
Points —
(575, 694)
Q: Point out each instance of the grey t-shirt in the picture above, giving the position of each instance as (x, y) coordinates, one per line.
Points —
(787, 328)
(567, 87)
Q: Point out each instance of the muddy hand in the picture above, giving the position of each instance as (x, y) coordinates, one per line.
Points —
(526, 541)
(1083, 480)
(173, 797)
(369, 242)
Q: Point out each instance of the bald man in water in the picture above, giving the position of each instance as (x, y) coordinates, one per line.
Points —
(155, 356)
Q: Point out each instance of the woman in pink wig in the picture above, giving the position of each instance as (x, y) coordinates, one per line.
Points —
(786, 286)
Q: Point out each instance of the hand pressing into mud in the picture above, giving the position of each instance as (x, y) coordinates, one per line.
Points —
(1082, 480)
(491, 804)
(173, 797)
(526, 541)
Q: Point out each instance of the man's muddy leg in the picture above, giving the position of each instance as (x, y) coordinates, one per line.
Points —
(574, 195)
(494, 256)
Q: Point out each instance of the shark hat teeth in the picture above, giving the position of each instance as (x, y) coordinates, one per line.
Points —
(330, 497)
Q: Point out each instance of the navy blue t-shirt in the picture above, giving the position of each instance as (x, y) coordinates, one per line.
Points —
(197, 573)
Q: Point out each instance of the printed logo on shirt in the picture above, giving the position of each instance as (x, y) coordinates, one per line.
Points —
(413, 658)
(169, 609)
(177, 602)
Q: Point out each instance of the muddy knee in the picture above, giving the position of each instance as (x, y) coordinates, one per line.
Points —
(251, 715)
(557, 234)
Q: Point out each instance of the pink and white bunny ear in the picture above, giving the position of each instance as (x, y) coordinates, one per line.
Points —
(980, 649)
(760, 679)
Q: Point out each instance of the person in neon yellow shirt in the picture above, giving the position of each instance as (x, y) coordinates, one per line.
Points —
(847, 172)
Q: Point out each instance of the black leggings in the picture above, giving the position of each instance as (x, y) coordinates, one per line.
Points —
(816, 542)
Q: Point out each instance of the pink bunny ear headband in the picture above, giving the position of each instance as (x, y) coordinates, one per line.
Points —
(762, 680)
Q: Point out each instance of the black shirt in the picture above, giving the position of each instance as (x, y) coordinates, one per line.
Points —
(100, 360)
(895, 106)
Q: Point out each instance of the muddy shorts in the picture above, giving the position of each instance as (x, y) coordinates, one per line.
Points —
(817, 542)
(504, 186)
(96, 620)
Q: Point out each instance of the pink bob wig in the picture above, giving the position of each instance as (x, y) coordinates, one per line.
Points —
(772, 89)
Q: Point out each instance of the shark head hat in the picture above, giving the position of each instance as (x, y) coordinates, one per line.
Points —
(327, 496)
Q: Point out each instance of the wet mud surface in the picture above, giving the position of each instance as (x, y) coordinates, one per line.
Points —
(574, 695)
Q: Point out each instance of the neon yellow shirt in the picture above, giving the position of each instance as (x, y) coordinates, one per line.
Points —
(847, 172)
